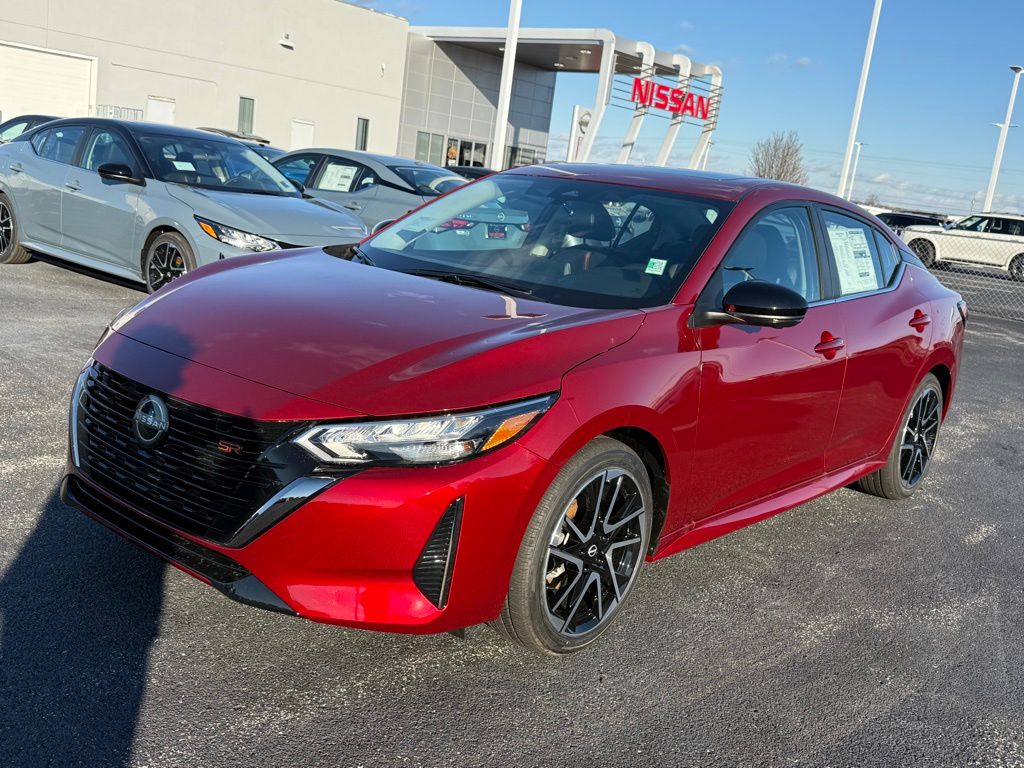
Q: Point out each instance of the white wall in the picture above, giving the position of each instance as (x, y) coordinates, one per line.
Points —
(347, 62)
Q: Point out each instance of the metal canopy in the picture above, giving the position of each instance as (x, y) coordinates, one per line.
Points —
(601, 52)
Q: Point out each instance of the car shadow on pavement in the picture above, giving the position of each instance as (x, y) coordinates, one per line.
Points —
(79, 609)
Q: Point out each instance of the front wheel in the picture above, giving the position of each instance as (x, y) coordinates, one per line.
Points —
(911, 454)
(167, 257)
(582, 552)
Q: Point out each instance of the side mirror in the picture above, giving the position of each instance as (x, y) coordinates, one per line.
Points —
(118, 172)
(298, 185)
(755, 302)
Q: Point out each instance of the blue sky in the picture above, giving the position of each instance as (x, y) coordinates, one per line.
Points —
(939, 78)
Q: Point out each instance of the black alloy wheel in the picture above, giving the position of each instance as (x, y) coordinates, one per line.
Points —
(582, 552)
(594, 552)
(10, 251)
(913, 448)
(167, 258)
(920, 433)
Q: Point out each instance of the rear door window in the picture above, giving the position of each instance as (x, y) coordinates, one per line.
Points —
(855, 254)
(58, 144)
(338, 175)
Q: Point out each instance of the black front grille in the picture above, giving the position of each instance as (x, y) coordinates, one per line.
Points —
(207, 477)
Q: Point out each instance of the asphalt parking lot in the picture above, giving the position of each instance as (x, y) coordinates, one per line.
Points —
(851, 631)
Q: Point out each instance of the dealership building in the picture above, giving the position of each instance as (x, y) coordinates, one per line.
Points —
(327, 73)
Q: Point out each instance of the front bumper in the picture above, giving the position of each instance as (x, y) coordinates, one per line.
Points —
(353, 554)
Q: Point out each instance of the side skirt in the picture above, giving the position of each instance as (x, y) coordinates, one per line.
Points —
(731, 520)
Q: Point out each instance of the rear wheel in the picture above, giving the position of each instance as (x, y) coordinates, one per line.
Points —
(1017, 268)
(167, 257)
(11, 251)
(912, 450)
(582, 551)
(925, 251)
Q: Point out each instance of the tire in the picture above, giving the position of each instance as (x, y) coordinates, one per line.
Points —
(564, 595)
(11, 251)
(893, 481)
(925, 251)
(1016, 268)
(166, 257)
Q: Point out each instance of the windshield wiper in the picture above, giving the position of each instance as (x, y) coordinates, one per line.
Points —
(475, 281)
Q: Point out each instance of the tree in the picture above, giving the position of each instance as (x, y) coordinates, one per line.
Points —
(779, 157)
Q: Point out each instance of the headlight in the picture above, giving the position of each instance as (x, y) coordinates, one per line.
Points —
(236, 237)
(430, 440)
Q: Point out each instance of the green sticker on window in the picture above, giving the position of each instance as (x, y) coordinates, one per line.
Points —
(656, 267)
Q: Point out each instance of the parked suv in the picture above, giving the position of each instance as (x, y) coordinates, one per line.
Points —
(13, 128)
(376, 188)
(151, 202)
(897, 221)
(989, 239)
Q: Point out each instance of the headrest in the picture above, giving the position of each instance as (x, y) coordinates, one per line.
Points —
(589, 221)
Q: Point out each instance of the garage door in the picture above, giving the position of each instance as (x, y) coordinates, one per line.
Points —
(36, 81)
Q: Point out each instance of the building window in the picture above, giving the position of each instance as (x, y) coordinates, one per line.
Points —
(362, 133)
(518, 156)
(246, 109)
(430, 148)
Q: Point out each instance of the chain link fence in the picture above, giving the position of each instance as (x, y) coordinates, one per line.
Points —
(981, 257)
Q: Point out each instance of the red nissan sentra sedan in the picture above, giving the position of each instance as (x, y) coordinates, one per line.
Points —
(497, 408)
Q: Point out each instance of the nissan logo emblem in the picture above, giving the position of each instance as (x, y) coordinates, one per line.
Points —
(151, 421)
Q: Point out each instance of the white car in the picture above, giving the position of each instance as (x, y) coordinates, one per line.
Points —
(987, 239)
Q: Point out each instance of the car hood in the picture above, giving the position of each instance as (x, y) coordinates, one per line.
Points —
(370, 340)
(294, 220)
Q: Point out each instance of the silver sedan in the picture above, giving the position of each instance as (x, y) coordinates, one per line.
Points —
(150, 202)
(377, 188)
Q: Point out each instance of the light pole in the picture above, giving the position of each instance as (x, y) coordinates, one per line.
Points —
(853, 171)
(1004, 128)
(508, 66)
(860, 97)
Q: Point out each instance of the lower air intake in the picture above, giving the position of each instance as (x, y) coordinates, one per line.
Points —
(432, 573)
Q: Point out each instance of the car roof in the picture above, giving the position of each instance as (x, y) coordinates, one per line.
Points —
(996, 214)
(135, 127)
(355, 154)
(720, 186)
(48, 118)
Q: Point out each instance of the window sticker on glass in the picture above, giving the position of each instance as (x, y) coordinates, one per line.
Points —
(337, 178)
(853, 259)
(184, 165)
(656, 267)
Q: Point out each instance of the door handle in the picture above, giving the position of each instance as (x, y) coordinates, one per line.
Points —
(17, 167)
(74, 186)
(829, 345)
(919, 321)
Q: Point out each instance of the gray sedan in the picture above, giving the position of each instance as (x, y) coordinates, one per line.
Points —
(150, 202)
(377, 188)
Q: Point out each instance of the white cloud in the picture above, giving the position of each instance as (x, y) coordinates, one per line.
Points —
(778, 59)
(686, 26)
(803, 61)
(684, 49)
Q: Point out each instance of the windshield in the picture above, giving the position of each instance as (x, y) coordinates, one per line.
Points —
(213, 164)
(428, 180)
(565, 241)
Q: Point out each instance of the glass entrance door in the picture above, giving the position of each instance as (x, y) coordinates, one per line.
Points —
(473, 153)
